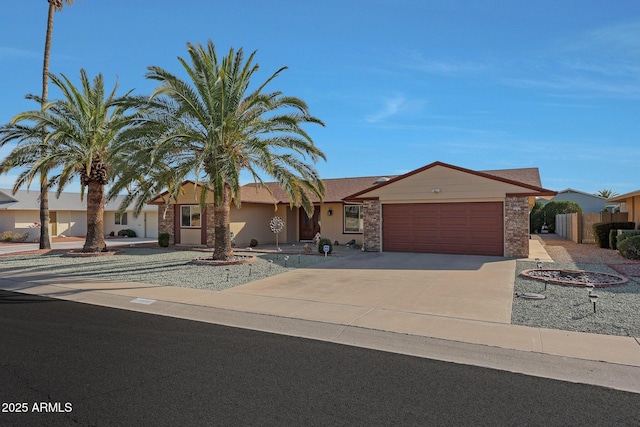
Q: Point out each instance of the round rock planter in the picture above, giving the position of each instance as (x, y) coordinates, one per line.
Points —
(575, 277)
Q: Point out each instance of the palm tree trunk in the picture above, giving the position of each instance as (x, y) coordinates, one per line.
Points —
(45, 241)
(221, 226)
(95, 218)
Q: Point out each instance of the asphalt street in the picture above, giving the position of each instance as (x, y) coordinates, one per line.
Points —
(65, 363)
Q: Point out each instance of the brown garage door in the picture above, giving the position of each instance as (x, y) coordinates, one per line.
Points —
(444, 228)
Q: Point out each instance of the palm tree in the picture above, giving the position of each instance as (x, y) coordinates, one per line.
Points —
(45, 240)
(83, 137)
(212, 127)
(606, 193)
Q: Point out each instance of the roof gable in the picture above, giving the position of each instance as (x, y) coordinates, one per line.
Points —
(441, 175)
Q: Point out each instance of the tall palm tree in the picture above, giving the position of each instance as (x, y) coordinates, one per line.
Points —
(213, 127)
(45, 240)
(83, 137)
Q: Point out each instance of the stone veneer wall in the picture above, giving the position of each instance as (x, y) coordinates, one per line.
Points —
(371, 234)
(516, 227)
(165, 222)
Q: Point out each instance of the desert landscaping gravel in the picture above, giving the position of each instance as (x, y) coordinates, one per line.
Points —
(162, 267)
(568, 307)
(565, 307)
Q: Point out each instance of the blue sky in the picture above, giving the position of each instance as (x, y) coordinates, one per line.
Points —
(399, 83)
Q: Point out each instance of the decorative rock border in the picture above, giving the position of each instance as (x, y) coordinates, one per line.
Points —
(237, 259)
(575, 277)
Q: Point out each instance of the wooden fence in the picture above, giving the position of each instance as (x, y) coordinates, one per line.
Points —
(579, 227)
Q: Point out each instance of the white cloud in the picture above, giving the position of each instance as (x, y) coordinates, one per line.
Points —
(391, 107)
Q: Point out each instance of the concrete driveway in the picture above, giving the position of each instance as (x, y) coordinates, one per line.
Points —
(455, 286)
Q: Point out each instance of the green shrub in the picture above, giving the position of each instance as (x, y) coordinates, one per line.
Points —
(630, 247)
(322, 242)
(127, 232)
(12, 236)
(163, 239)
(536, 218)
(253, 243)
(623, 236)
(601, 231)
(613, 234)
(551, 209)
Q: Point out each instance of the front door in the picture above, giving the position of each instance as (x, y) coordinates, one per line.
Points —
(309, 226)
(53, 220)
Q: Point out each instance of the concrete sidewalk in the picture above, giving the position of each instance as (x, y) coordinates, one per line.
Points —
(610, 361)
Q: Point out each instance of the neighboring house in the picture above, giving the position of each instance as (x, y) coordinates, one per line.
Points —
(20, 212)
(439, 208)
(629, 203)
(590, 203)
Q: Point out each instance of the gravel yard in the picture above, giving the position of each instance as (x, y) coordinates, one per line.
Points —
(568, 307)
(161, 267)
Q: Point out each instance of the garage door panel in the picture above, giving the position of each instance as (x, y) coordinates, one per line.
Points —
(450, 228)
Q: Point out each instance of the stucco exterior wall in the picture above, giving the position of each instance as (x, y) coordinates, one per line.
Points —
(7, 220)
(442, 184)
(133, 223)
(633, 209)
(252, 220)
(332, 226)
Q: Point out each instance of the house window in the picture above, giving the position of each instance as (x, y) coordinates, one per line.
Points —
(121, 219)
(353, 222)
(190, 216)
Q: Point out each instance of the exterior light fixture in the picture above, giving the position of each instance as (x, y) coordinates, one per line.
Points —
(436, 190)
(330, 212)
(593, 298)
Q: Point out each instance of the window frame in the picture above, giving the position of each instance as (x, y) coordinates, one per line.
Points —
(191, 208)
(360, 219)
(121, 219)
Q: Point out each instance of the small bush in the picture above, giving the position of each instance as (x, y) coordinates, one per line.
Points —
(127, 232)
(163, 239)
(12, 236)
(253, 243)
(630, 247)
(601, 231)
(322, 242)
(623, 236)
(536, 218)
(613, 234)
